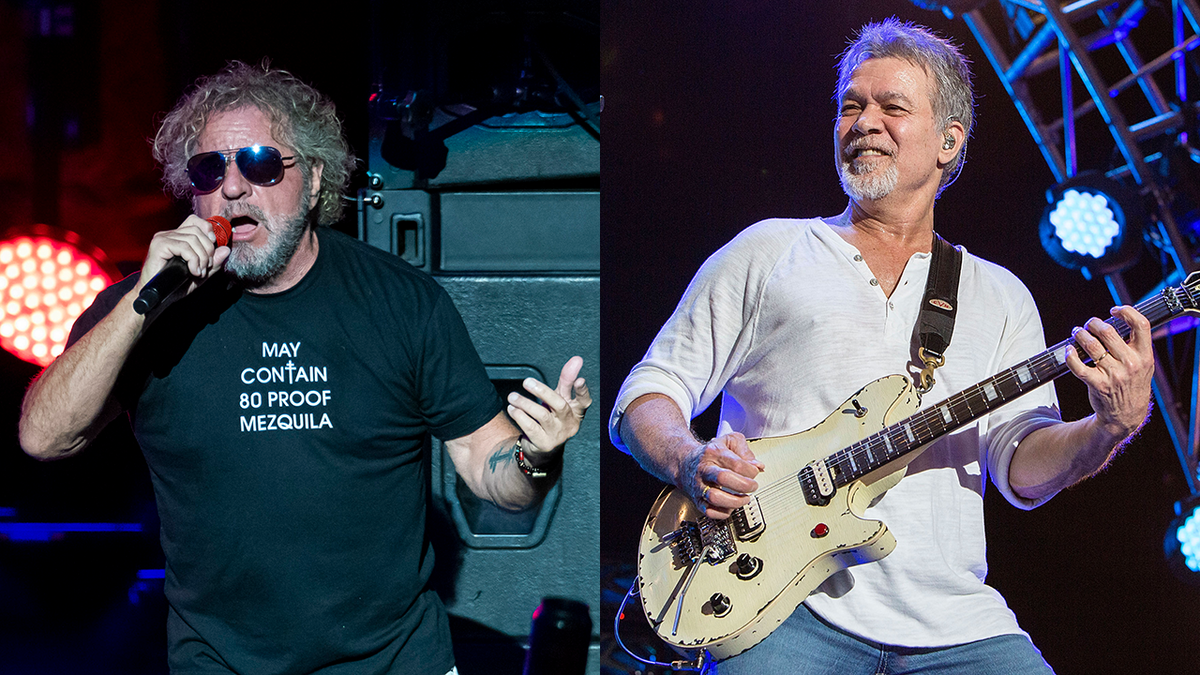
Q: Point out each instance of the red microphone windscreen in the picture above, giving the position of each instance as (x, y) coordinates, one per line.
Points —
(221, 228)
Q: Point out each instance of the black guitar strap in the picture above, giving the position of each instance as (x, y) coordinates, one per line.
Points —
(939, 306)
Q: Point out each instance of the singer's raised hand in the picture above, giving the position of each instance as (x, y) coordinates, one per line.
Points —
(72, 400)
(189, 253)
(194, 241)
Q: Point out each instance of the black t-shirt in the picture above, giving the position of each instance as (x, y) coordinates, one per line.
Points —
(284, 435)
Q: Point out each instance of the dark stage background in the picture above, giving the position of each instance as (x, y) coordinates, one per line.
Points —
(719, 114)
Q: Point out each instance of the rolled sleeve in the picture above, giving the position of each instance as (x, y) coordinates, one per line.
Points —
(646, 379)
(1002, 444)
(702, 345)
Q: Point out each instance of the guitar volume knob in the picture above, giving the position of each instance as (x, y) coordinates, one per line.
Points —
(748, 566)
(720, 604)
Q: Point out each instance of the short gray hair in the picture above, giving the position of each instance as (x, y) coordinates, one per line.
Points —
(300, 116)
(952, 97)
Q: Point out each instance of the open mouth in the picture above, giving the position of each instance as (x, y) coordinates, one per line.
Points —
(243, 227)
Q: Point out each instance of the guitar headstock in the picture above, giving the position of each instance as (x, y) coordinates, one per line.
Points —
(1188, 294)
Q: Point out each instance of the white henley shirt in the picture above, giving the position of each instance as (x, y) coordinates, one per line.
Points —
(788, 321)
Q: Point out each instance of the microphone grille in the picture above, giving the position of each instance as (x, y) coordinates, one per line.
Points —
(221, 228)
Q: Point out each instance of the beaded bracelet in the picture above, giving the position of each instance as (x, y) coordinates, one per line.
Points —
(523, 463)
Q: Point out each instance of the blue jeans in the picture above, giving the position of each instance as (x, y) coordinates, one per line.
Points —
(806, 645)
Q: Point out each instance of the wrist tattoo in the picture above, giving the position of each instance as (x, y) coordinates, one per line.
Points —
(503, 454)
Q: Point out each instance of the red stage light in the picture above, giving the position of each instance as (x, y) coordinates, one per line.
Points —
(47, 278)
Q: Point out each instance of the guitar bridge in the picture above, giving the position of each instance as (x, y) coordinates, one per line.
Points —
(711, 538)
(748, 523)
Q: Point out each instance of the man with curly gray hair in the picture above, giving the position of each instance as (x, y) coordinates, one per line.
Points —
(793, 316)
(282, 398)
(299, 117)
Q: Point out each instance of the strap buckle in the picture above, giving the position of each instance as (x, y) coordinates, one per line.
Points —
(932, 360)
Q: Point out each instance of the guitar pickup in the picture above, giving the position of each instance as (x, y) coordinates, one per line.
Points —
(817, 483)
(748, 523)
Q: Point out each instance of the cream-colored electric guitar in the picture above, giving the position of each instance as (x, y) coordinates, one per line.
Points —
(724, 585)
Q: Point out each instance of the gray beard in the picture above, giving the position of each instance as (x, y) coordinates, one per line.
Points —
(259, 266)
(255, 267)
(861, 184)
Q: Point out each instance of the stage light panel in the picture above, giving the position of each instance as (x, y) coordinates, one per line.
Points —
(47, 279)
(1085, 223)
(1181, 543)
(1188, 536)
(1092, 224)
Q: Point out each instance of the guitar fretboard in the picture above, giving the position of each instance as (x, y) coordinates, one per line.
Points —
(928, 425)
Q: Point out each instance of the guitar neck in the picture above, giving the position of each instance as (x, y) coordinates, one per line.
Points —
(926, 426)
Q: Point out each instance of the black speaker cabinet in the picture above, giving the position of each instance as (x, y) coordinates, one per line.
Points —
(523, 269)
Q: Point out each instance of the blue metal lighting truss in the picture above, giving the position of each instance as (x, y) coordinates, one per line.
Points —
(1097, 43)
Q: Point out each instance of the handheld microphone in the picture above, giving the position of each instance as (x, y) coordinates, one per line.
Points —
(175, 273)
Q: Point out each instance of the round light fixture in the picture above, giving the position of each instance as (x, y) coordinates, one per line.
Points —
(1181, 545)
(47, 278)
(1092, 224)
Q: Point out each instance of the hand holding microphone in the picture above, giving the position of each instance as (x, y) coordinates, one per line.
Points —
(175, 273)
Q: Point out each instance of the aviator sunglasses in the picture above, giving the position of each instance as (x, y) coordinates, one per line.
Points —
(259, 164)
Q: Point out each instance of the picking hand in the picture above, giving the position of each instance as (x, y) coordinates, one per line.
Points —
(719, 475)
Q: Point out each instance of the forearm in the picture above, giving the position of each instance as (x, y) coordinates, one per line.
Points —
(658, 437)
(1058, 456)
(718, 475)
(486, 461)
(502, 482)
(487, 458)
(1118, 380)
(71, 401)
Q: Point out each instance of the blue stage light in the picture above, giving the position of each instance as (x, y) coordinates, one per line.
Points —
(1085, 223)
(1182, 541)
(1092, 224)
(1188, 536)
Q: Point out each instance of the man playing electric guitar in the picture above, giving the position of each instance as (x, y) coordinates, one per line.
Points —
(793, 316)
